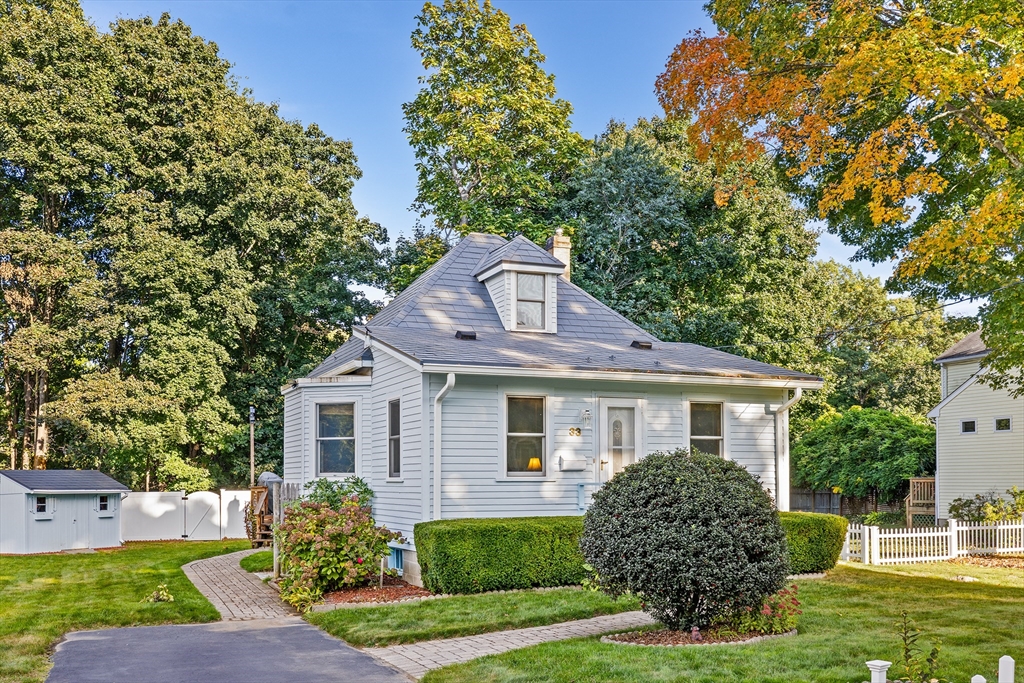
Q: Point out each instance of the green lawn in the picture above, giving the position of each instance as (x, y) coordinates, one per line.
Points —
(465, 615)
(42, 597)
(262, 561)
(847, 620)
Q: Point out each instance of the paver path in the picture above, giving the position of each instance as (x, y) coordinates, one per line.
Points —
(419, 658)
(236, 593)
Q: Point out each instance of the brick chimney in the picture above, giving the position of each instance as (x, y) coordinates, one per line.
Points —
(560, 247)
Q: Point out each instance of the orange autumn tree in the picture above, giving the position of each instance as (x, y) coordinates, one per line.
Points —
(900, 123)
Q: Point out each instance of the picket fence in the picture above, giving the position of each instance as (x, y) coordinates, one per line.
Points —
(874, 545)
(879, 669)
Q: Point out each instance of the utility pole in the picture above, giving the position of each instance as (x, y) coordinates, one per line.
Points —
(252, 446)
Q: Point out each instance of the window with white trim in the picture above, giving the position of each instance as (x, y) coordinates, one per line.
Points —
(706, 428)
(336, 438)
(40, 503)
(1003, 424)
(104, 503)
(395, 439)
(968, 426)
(530, 302)
(525, 437)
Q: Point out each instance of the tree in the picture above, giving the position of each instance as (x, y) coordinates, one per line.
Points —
(412, 257)
(899, 123)
(863, 452)
(493, 143)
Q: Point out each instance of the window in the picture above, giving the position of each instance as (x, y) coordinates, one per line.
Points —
(1003, 424)
(524, 453)
(968, 426)
(395, 439)
(40, 503)
(706, 427)
(530, 302)
(104, 503)
(336, 438)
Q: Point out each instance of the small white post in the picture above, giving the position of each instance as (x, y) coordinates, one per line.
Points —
(878, 668)
(978, 679)
(1006, 666)
(876, 545)
(954, 539)
(275, 490)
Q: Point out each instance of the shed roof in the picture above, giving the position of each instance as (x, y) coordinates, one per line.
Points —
(968, 347)
(64, 480)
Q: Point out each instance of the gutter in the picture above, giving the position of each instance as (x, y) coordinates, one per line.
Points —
(448, 386)
(782, 450)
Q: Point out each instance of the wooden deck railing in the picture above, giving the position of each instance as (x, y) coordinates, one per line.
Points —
(921, 499)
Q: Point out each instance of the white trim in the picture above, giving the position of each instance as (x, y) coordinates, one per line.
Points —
(347, 380)
(387, 438)
(357, 414)
(502, 465)
(396, 353)
(549, 304)
(969, 419)
(73, 492)
(639, 430)
(958, 359)
(723, 412)
(532, 268)
(937, 410)
(350, 366)
(1002, 417)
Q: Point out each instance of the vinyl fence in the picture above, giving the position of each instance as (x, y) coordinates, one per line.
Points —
(874, 545)
(173, 515)
(879, 669)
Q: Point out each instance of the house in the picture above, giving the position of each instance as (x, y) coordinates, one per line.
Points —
(979, 431)
(531, 392)
(47, 511)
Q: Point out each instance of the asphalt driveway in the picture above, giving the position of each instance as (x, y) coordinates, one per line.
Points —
(287, 649)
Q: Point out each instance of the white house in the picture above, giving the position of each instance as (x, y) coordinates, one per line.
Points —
(493, 387)
(979, 431)
(47, 511)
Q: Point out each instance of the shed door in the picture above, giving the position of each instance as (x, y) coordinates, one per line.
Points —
(74, 517)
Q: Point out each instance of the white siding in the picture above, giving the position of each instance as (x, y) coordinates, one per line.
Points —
(75, 522)
(969, 464)
(958, 373)
(498, 288)
(13, 517)
(293, 450)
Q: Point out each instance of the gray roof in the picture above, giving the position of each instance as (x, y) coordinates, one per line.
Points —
(517, 250)
(64, 480)
(971, 345)
(421, 323)
(349, 351)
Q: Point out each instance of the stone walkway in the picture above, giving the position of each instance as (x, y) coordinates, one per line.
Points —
(419, 658)
(237, 594)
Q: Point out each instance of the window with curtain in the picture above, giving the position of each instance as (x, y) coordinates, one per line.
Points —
(395, 439)
(706, 428)
(336, 438)
(530, 301)
(525, 436)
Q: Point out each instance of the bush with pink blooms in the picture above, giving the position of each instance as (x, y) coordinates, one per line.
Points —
(324, 549)
(777, 615)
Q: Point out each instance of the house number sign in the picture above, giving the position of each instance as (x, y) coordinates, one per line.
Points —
(575, 431)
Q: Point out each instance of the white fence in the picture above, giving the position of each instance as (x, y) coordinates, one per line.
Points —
(172, 515)
(873, 545)
(879, 669)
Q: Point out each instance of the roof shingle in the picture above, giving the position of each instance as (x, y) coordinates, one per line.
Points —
(64, 480)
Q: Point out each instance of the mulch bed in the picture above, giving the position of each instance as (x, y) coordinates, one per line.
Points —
(394, 590)
(666, 638)
(1001, 562)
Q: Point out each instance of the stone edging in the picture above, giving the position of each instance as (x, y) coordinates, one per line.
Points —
(812, 575)
(748, 641)
(331, 606)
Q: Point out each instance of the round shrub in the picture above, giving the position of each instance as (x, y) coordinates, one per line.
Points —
(814, 540)
(694, 536)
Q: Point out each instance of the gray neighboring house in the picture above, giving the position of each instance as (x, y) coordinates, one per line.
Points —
(979, 431)
(494, 387)
(47, 511)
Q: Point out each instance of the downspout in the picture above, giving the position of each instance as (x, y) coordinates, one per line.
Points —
(782, 451)
(448, 386)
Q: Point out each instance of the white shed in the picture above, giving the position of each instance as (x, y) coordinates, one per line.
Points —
(47, 511)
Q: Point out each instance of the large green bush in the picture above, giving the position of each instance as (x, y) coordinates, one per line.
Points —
(694, 536)
(477, 555)
(989, 507)
(814, 541)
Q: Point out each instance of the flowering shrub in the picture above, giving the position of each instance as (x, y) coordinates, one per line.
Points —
(777, 615)
(324, 549)
(990, 507)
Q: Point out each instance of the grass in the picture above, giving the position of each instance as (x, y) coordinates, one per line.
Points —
(848, 619)
(42, 597)
(262, 561)
(465, 615)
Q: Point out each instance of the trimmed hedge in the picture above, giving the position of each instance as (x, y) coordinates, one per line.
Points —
(814, 540)
(479, 555)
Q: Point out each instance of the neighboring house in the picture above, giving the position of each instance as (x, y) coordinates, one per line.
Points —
(979, 431)
(541, 393)
(46, 511)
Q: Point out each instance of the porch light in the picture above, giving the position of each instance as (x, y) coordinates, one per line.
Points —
(533, 465)
(585, 417)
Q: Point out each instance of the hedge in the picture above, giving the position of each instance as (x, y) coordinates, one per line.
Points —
(814, 540)
(478, 555)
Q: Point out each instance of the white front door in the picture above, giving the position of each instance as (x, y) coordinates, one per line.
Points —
(621, 435)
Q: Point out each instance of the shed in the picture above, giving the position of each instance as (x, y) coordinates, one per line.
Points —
(47, 511)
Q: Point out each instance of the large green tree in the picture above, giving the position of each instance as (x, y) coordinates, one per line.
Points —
(493, 143)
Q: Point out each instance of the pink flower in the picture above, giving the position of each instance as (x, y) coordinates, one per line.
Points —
(359, 560)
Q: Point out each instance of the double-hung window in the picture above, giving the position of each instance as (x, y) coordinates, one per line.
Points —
(706, 428)
(40, 503)
(395, 439)
(336, 438)
(530, 313)
(525, 436)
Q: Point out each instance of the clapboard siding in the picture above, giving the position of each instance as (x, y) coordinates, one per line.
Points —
(752, 439)
(293, 454)
(497, 288)
(958, 373)
(969, 464)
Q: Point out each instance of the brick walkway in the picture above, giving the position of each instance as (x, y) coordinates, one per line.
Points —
(419, 658)
(237, 594)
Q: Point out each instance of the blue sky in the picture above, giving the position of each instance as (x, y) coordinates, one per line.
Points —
(348, 66)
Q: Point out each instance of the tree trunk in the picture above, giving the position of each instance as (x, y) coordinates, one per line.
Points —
(29, 430)
(42, 432)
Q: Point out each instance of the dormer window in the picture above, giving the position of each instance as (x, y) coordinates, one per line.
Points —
(530, 309)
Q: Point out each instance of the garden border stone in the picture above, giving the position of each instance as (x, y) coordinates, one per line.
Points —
(748, 641)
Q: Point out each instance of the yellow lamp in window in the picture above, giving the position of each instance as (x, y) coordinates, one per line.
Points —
(533, 465)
